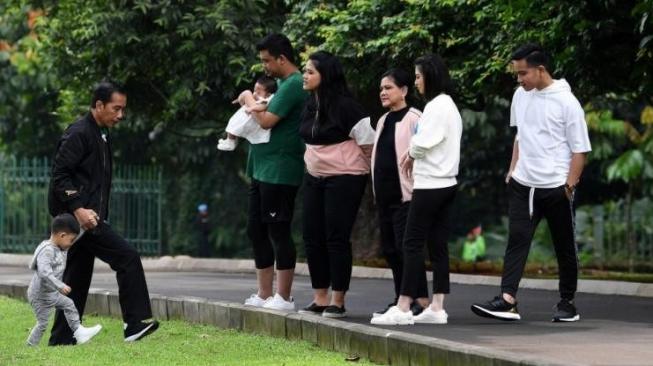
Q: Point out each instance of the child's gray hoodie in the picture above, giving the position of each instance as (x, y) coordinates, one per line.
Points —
(49, 262)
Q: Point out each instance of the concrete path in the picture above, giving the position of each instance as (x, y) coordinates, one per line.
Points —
(614, 329)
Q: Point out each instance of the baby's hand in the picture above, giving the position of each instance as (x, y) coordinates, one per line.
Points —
(65, 290)
(243, 95)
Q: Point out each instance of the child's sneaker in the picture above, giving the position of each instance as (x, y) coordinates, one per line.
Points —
(83, 334)
(227, 144)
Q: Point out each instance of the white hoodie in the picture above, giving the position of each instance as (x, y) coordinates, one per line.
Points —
(550, 127)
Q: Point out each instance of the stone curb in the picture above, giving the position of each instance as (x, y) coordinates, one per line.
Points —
(381, 346)
(188, 264)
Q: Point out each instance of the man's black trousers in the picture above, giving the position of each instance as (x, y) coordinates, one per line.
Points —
(104, 243)
(527, 206)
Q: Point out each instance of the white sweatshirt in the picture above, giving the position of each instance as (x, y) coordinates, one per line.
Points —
(550, 127)
(436, 144)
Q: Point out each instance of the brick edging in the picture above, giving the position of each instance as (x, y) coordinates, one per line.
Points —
(379, 345)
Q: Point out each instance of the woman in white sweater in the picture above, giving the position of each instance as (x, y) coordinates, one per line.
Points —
(432, 159)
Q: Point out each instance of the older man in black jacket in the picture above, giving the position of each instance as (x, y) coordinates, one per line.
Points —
(80, 185)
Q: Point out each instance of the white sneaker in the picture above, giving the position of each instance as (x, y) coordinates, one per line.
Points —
(429, 316)
(83, 334)
(394, 316)
(278, 303)
(227, 144)
(254, 300)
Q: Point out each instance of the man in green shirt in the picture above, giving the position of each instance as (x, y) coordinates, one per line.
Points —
(276, 169)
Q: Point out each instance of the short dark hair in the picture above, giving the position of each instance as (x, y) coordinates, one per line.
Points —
(64, 223)
(534, 55)
(435, 74)
(400, 78)
(277, 44)
(268, 83)
(104, 90)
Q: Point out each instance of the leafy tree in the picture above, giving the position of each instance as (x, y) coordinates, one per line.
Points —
(27, 97)
(631, 161)
(182, 64)
(601, 47)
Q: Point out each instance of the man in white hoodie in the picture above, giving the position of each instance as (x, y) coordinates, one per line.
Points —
(548, 157)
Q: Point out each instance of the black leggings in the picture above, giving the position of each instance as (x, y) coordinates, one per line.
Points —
(392, 225)
(428, 222)
(330, 208)
(271, 209)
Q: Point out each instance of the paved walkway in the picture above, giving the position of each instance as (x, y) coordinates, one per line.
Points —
(614, 330)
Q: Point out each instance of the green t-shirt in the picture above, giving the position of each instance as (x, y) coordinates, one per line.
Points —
(281, 160)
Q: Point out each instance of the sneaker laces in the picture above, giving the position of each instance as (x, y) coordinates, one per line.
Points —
(565, 305)
(498, 301)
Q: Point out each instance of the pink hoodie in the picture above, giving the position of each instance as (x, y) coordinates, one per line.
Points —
(404, 130)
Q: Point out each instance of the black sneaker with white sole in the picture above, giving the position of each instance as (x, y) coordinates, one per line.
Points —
(416, 308)
(565, 311)
(334, 311)
(137, 331)
(313, 309)
(498, 308)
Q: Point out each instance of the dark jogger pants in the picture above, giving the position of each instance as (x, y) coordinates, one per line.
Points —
(104, 243)
(553, 205)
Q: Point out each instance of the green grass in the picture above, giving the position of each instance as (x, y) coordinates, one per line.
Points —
(175, 343)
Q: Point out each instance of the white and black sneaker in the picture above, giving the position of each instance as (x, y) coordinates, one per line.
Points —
(565, 311)
(415, 307)
(498, 308)
(381, 312)
(137, 331)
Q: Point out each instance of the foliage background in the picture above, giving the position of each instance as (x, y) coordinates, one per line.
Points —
(184, 61)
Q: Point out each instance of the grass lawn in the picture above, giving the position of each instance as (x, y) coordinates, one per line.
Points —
(175, 343)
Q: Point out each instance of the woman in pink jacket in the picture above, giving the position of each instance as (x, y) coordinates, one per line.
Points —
(392, 189)
(432, 160)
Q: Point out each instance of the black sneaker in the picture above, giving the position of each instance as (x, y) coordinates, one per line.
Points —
(138, 331)
(334, 311)
(416, 308)
(498, 308)
(565, 311)
(313, 309)
(381, 312)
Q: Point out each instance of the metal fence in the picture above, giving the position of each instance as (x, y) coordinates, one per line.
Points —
(135, 206)
(604, 229)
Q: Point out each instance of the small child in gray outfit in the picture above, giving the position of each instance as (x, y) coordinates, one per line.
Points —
(46, 291)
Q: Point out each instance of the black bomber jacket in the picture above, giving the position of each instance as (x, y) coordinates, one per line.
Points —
(81, 170)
